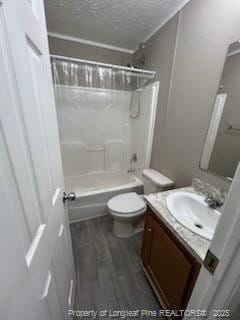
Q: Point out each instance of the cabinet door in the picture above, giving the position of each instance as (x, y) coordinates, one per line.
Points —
(169, 267)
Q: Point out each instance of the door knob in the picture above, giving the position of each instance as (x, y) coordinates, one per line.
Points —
(69, 196)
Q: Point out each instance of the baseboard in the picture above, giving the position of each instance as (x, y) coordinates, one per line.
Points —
(89, 217)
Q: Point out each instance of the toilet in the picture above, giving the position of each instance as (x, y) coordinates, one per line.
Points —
(128, 209)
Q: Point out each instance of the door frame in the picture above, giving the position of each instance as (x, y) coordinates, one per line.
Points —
(214, 292)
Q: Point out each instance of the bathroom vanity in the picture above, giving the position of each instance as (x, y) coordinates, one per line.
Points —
(172, 255)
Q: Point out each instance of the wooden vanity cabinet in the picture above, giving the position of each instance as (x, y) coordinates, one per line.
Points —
(170, 267)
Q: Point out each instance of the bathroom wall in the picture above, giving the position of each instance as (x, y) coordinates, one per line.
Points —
(84, 51)
(188, 54)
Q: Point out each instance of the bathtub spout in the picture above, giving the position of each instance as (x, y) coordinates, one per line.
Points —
(134, 158)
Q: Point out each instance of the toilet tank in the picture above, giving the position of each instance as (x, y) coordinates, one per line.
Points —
(154, 181)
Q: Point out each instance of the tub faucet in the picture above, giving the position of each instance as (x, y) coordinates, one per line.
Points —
(213, 203)
(134, 158)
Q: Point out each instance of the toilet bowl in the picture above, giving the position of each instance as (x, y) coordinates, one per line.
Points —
(128, 209)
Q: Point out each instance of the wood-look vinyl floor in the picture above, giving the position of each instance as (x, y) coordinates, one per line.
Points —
(108, 270)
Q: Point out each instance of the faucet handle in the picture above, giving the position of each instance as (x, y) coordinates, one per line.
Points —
(134, 158)
(209, 195)
(212, 202)
(208, 198)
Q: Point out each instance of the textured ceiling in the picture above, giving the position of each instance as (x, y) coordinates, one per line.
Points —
(122, 23)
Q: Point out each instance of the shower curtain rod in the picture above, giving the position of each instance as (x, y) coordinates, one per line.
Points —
(131, 69)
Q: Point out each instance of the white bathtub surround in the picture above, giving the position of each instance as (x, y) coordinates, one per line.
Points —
(114, 151)
(98, 138)
(94, 129)
(106, 114)
(97, 132)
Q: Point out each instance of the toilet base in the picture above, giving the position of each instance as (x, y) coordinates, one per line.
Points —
(122, 230)
(127, 229)
(139, 227)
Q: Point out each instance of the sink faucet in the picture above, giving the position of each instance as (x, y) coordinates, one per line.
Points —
(213, 203)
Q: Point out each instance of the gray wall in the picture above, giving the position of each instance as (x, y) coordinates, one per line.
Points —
(84, 51)
(200, 34)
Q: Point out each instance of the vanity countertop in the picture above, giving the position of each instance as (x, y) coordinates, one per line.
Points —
(193, 242)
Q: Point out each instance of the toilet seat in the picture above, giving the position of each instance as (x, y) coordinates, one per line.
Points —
(127, 204)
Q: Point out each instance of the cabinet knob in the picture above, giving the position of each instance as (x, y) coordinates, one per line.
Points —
(149, 229)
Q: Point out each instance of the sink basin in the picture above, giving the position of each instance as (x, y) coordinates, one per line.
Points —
(193, 212)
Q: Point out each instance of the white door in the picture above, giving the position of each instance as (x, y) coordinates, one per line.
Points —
(216, 292)
(36, 268)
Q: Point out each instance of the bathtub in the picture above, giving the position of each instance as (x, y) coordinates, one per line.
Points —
(95, 189)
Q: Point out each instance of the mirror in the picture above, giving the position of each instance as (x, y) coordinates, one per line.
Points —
(221, 152)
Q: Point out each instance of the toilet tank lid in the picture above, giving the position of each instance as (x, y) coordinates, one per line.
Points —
(157, 178)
